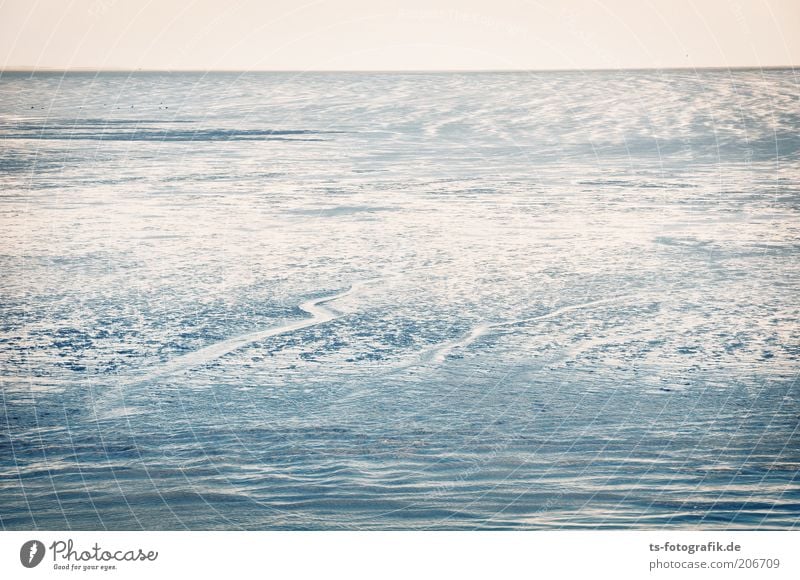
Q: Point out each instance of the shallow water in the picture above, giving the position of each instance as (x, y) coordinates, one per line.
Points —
(380, 301)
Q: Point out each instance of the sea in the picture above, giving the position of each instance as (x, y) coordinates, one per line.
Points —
(400, 301)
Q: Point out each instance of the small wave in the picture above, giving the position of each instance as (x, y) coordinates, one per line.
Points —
(72, 133)
(111, 404)
(339, 210)
(440, 353)
(315, 307)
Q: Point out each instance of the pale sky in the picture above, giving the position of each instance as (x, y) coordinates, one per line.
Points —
(398, 35)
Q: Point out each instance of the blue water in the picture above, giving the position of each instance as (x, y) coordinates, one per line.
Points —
(400, 301)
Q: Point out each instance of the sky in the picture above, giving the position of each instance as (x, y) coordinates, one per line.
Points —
(397, 35)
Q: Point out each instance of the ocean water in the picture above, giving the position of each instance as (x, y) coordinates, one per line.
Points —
(400, 301)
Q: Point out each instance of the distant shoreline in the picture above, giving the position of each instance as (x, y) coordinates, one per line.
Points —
(79, 70)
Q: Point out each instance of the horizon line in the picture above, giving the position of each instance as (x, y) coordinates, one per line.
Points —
(35, 69)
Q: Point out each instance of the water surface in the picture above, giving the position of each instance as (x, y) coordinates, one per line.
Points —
(415, 301)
